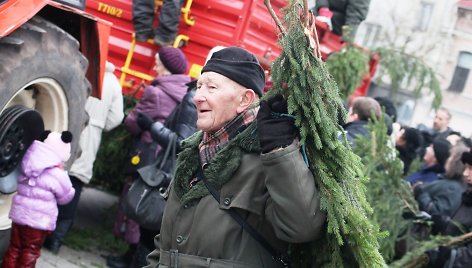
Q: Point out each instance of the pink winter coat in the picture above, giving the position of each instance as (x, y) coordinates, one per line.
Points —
(42, 185)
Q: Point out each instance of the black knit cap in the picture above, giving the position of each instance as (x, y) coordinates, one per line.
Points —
(238, 65)
(467, 157)
(413, 138)
(441, 150)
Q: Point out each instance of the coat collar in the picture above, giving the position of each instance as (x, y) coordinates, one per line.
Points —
(219, 171)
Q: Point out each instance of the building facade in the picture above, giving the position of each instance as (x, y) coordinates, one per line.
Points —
(440, 33)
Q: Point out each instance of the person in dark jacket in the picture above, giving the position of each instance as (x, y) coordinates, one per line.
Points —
(338, 13)
(442, 197)
(358, 117)
(180, 125)
(433, 163)
(157, 101)
(458, 224)
(408, 142)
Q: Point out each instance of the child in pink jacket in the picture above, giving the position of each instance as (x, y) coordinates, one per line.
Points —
(42, 184)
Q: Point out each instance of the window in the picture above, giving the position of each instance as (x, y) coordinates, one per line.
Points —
(464, 64)
(371, 34)
(424, 16)
(405, 112)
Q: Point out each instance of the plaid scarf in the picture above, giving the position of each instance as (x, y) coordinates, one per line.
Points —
(212, 143)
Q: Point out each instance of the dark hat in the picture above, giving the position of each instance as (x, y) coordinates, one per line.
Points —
(173, 59)
(441, 150)
(467, 157)
(389, 107)
(413, 138)
(238, 65)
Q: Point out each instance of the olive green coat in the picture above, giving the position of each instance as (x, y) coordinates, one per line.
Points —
(274, 192)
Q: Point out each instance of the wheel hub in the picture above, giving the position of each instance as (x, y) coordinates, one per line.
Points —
(19, 126)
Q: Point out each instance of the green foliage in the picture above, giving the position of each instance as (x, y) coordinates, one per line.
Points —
(398, 66)
(313, 99)
(97, 237)
(415, 166)
(385, 170)
(416, 257)
(112, 154)
(348, 67)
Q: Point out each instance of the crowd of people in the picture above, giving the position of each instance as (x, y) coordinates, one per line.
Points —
(234, 176)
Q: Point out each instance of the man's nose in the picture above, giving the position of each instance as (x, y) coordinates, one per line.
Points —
(199, 98)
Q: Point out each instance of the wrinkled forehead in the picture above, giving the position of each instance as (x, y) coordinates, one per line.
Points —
(215, 78)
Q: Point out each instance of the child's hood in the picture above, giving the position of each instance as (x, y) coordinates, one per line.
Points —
(38, 157)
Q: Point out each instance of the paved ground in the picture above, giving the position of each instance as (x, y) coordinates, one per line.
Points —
(92, 205)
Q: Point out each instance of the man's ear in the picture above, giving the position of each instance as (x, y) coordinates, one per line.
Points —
(247, 98)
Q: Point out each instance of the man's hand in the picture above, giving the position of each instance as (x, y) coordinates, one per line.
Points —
(144, 121)
(440, 223)
(275, 127)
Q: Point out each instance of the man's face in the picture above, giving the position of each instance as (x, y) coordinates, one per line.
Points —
(351, 116)
(400, 139)
(158, 66)
(217, 100)
(441, 120)
(429, 157)
(468, 174)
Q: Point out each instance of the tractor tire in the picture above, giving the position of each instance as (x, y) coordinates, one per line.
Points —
(41, 68)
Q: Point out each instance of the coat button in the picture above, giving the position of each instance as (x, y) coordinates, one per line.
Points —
(227, 201)
(179, 239)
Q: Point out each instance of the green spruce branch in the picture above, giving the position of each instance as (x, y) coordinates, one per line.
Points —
(405, 70)
(385, 170)
(348, 67)
(300, 75)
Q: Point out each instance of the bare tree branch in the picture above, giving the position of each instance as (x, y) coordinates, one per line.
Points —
(274, 16)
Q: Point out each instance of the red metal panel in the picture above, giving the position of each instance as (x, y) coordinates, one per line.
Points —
(244, 23)
(15, 13)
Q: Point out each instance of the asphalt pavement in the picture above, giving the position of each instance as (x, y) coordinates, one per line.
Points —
(92, 205)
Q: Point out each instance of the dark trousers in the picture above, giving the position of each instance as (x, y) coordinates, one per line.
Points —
(169, 20)
(66, 215)
(169, 16)
(4, 242)
(25, 247)
(143, 15)
(145, 246)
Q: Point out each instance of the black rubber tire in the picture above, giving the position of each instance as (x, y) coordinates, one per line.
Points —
(40, 49)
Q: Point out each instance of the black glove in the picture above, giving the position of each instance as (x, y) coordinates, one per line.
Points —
(439, 223)
(274, 127)
(438, 257)
(144, 121)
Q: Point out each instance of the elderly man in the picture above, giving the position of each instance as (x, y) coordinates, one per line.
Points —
(253, 169)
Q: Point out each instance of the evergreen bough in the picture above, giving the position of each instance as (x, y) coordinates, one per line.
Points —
(112, 154)
(405, 70)
(348, 67)
(385, 170)
(313, 99)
